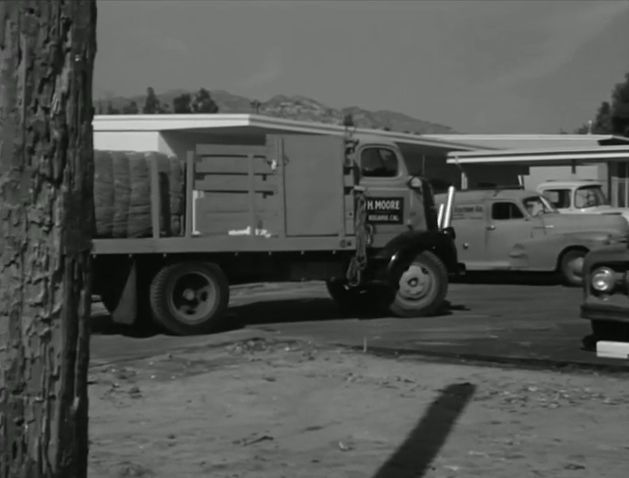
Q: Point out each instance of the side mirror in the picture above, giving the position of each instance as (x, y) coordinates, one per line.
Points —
(415, 183)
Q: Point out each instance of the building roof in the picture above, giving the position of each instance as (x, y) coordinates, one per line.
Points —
(532, 141)
(478, 195)
(552, 183)
(548, 156)
(247, 124)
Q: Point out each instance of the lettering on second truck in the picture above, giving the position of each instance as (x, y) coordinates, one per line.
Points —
(173, 233)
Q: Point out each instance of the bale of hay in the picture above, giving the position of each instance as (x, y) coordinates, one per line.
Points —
(122, 193)
(139, 216)
(103, 194)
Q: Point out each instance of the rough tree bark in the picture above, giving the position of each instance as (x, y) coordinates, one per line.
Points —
(47, 50)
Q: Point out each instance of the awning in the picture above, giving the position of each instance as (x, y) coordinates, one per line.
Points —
(545, 157)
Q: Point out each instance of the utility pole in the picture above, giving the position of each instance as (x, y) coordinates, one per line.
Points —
(47, 50)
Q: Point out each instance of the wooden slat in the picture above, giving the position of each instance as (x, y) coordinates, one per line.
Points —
(278, 146)
(189, 187)
(225, 165)
(234, 182)
(222, 223)
(238, 202)
(231, 150)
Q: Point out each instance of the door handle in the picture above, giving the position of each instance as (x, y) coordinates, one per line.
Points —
(491, 227)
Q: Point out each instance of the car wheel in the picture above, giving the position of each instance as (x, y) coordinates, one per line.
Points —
(571, 267)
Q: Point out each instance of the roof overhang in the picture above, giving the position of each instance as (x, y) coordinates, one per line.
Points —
(547, 157)
(246, 123)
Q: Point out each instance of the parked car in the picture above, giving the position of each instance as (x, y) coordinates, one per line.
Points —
(578, 197)
(517, 229)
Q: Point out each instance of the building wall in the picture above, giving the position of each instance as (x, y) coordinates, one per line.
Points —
(539, 174)
(489, 175)
(178, 143)
(127, 140)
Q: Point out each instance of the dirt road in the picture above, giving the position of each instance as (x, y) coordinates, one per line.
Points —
(281, 409)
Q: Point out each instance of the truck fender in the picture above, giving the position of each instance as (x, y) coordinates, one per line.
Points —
(398, 252)
(126, 309)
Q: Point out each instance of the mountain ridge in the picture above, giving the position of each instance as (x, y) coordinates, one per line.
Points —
(297, 107)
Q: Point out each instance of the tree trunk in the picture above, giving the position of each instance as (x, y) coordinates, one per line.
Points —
(47, 50)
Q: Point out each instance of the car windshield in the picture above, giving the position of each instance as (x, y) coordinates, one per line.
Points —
(536, 205)
(589, 196)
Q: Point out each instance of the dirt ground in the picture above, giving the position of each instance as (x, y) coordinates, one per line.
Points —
(288, 409)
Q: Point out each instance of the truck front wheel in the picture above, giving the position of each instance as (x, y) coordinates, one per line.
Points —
(189, 298)
(422, 287)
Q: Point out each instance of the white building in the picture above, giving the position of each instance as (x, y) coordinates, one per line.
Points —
(460, 159)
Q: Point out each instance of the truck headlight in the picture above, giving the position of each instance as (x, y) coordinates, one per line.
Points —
(603, 279)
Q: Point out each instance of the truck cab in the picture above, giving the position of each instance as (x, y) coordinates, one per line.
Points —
(579, 197)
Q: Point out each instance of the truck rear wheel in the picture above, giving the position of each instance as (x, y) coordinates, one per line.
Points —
(422, 287)
(189, 298)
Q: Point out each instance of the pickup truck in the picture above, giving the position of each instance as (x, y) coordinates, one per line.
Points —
(292, 208)
(579, 197)
(517, 229)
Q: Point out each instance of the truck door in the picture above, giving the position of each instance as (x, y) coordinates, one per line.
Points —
(508, 225)
(392, 206)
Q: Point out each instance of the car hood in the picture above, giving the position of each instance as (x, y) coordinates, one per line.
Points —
(613, 223)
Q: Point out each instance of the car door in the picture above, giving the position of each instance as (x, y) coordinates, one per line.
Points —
(392, 206)
(469, 220)
(508, 225)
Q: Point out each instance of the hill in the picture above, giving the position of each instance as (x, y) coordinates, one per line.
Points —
(295, 107)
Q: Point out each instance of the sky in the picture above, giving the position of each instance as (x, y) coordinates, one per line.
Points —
(478, 66)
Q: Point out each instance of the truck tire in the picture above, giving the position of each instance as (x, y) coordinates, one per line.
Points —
(571, 267)
(189, 298)
(421, 287)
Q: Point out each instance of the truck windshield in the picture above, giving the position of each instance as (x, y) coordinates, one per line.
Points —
(589, 196)
(536, 205)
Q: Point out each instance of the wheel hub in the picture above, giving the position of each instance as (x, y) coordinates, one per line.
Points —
(188, 294)
(414, 283)
(192, 297)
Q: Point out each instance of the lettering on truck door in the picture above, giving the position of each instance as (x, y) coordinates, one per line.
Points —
(392, 207)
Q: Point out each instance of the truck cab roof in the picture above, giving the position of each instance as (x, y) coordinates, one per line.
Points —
(569, 184)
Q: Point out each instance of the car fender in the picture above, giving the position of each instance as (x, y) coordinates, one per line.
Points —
(543, 253)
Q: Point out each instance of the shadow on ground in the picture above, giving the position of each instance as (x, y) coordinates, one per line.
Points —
(504, 277)
(414, 456)
(262, 312)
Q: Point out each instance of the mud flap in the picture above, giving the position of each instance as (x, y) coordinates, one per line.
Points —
(126, 310)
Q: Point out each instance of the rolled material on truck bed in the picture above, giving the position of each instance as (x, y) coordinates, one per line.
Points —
(122, 194)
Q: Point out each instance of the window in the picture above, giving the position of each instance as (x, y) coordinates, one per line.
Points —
(378, 163)
(589, 196)
(505, 210)
(536, 205)
(560, 198)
